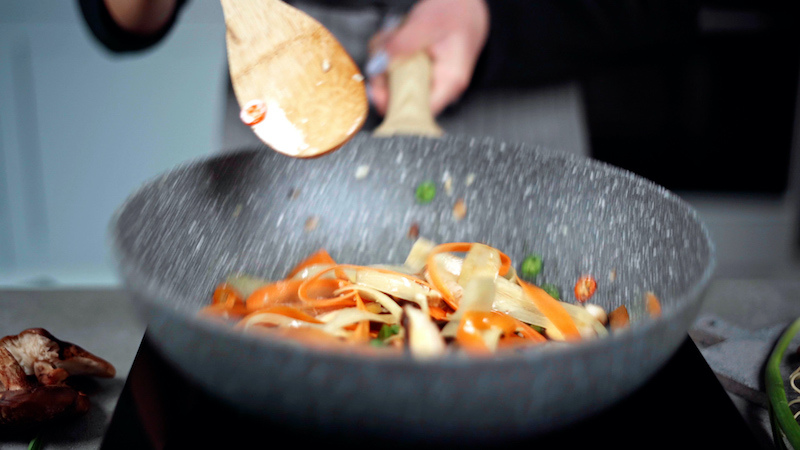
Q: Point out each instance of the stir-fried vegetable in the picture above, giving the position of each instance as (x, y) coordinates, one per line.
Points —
(531, 266)
(585, 288)
(426, 191)
(781, 418)
(552, 290)
(453, 297)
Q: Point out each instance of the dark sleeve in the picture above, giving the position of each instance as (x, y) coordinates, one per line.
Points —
(535, 41)
(114, 38)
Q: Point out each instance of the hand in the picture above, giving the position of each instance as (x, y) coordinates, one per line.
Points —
(453, 32)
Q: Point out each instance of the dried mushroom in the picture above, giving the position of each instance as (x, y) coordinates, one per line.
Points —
(34, 368)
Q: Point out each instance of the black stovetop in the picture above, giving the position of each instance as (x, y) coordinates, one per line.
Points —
(681, 406)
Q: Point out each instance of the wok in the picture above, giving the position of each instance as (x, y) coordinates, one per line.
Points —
(183, 232)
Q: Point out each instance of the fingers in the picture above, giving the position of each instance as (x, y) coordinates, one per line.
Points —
(452, 32)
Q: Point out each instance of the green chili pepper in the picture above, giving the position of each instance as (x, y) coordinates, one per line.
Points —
(781, 416)
(388, 331)
(426, 191)
(531, 266)
(35, 444)
(551, 289)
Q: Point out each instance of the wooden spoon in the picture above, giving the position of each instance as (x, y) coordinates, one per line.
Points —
(299, 90)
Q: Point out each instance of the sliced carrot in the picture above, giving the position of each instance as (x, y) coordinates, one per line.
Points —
(277, 293)
(551, 309)
(225, 293)
(438, 313)
(361, 333)
(342, 301)
(652, 304)
(456, 247)
(474, 323)
(321, 256)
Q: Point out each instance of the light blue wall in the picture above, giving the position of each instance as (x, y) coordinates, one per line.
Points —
(81, 128)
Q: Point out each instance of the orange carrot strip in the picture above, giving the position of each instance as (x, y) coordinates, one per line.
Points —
(225, 293)
(361, 333)
(551, 309)
(319, 257)
(474, 323)
(433, 270)
(438, 313)
(279, 292)
(342, 301)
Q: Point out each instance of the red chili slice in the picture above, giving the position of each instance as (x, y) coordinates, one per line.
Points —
(253, 112)
(585, 288)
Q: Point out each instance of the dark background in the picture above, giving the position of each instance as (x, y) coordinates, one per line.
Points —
(718, 118)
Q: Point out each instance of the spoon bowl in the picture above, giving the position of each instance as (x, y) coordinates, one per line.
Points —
(299, 89)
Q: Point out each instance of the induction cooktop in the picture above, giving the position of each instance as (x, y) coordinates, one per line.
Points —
(682, 406)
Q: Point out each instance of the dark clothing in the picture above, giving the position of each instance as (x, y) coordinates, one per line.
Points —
(530, 41)
(670, 89)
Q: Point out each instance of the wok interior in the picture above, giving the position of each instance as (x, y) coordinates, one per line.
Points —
(248, 212)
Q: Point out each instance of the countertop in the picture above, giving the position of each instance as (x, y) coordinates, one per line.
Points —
(735, 331)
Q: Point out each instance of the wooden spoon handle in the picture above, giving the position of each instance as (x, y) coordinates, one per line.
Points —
(409, 109)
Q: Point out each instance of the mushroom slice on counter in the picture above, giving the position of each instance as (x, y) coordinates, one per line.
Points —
(40, 353)
(22, 403)
(12, 377)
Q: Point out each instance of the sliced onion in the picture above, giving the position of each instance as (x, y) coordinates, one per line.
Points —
(424, 340)
(418, 256)
(477, 296)
(491, 337)
(395, 285)
(510, 299)
(481, 261)
(377, 296)
(282, 321)
(336, 320)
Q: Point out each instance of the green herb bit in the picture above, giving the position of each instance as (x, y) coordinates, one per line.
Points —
(426, 191)
(551, 289)
(377, 343)
(388, 331)
(531, 266)
(35, 444)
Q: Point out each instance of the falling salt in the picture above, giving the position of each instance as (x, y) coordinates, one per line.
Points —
(362, 172)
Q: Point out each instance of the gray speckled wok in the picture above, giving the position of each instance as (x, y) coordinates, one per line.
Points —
(183, 232)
